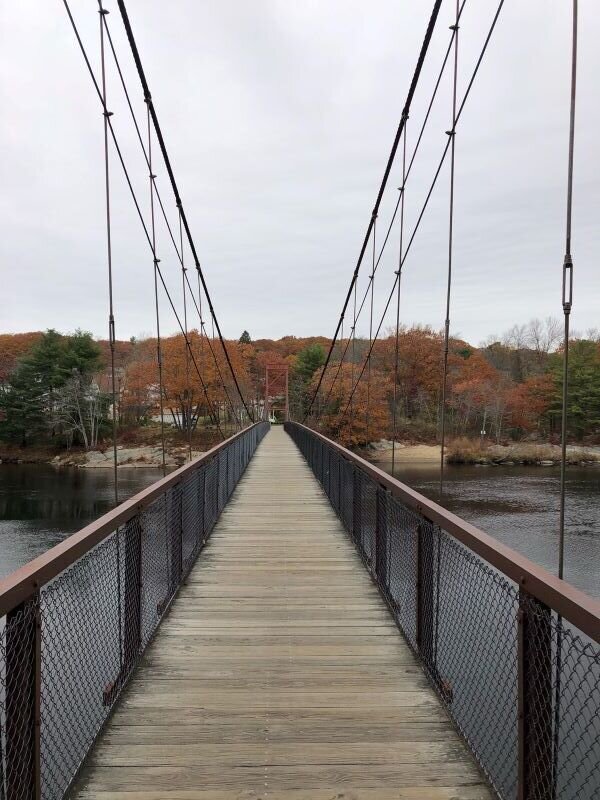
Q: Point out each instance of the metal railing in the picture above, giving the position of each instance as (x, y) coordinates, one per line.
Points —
(511, 650)
(75, 621)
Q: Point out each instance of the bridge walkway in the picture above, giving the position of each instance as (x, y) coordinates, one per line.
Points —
(278, 673)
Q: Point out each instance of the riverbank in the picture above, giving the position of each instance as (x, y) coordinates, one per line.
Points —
(466, 451)
(135, 456)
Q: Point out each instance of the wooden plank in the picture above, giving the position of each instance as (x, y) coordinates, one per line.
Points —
(278, 672)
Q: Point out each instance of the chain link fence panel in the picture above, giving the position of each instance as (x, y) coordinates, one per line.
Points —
(68, 649)
(521, 684)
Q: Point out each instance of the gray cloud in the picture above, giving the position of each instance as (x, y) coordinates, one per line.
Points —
(279, 117)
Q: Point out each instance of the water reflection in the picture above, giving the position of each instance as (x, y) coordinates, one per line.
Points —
(519, 506)
(40, 505)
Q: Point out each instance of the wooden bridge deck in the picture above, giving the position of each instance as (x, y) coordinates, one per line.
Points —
(278, 672)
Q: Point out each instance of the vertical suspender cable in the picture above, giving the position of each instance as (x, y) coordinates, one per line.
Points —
(452, 134)
(111, 317)
(353, 356)
(567, 298)
(341, 364)
(413, 85)
(162, 146)
(156, 307)
(371, 332)
(201, 359)
(567, 303)
(188, 403)
(399, 275)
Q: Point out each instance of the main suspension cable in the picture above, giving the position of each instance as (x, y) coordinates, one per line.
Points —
(178, 202)
(413, 85)
(408, 171)
(212, 350)
(452, 134)
(431, 188)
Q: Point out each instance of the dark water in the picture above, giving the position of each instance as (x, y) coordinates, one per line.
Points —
(519, 506)
(40, 505)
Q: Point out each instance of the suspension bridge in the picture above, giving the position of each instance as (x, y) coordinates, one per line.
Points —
(279, 618)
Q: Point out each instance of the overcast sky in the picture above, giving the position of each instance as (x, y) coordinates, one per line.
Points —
(279, 117)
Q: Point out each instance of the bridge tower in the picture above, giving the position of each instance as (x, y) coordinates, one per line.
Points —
(277, 392)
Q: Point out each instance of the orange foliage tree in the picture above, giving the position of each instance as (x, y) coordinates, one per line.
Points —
(352, 427)
(528, 402)
(14, 346)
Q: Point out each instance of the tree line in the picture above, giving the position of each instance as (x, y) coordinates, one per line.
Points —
(56, 388)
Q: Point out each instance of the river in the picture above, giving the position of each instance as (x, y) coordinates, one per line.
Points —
(519, 506)
(40, 505)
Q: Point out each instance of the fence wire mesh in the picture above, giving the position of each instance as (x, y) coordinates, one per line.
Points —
(68, 650)
(521, 684)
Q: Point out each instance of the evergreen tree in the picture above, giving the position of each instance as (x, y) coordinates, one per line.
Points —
(245, 338)
(309, 361)
(22, 406)
(584, 388)
(31, 401)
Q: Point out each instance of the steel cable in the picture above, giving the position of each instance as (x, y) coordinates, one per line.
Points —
(134, 197)
(390, 161)
(158, 196)
(408, 171)
(452, 134)
(431, 188)
(178, 201)
(397, 347)
(111, 317)
(567, 304)
(161, 391)
(188, 403)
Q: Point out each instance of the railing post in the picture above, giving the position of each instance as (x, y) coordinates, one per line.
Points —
(339, 486)
(535, 699)
(203, 506)
(381, 537)
(218, 486)
(22, 703)
(227, 490)
(132, 622)
(356, 506)
(425, 596)
(176, 536)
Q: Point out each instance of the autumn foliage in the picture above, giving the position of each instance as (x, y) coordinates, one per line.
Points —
(505, 389)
